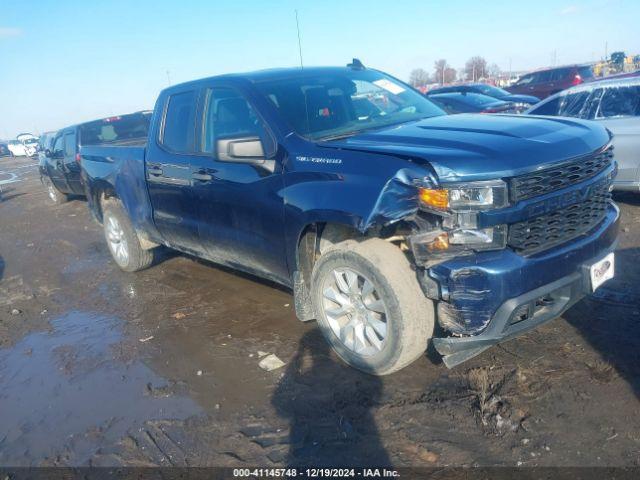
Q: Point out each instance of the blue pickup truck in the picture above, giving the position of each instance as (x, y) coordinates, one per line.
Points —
(394, 224)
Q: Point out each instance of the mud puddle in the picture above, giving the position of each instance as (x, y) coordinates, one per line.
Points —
(64, 392)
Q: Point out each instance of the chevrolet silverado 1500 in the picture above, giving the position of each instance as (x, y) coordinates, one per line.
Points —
(394, 224)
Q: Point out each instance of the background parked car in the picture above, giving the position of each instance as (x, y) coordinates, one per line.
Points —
(473, 103)
(30, 143)
(16, 148)
(616, 105)
(4, 149)
(544, 83)
(60, 167)
(488, 90)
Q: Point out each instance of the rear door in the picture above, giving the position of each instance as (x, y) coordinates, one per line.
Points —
(71, 162)
(524, 85)
(168, 171)
(54, 163)
(545, 83)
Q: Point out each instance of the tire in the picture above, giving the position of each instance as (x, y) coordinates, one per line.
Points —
(55, 195)
(407, 315)
(122, 240)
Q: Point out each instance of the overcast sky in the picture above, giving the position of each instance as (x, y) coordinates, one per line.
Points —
(67, 61)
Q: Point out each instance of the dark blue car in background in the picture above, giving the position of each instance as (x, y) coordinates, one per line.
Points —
(394, 224)
(473, 103)
(488, 90)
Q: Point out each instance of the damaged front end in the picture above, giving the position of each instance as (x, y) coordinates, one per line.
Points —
(465, 240)
(435, 224)
(459, 232)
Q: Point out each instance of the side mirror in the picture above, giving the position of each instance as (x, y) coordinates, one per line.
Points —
(48, 153)
(239, 149)
(244, 150)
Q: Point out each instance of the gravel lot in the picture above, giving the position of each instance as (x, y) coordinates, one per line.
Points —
(101, 367)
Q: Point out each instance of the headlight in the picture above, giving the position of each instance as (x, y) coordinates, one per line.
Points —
(469, 196)
(459, 205)
(479, 239)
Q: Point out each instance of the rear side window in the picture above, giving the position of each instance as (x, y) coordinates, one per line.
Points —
(179, 119)
(543, 76)
(123, 128)
(525, 80)
(560, 74)
(572, 104)
(69, 144)
(585, 72)
(58, 148)
(620, 102)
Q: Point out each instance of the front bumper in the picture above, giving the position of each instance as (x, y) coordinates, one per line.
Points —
(485, 291)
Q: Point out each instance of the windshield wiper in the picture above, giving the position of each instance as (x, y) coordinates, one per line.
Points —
(336, 137)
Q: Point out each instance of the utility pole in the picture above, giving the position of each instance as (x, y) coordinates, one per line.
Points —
(168, 78)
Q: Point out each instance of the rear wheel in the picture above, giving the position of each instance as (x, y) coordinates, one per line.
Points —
(122, 239)
(370, 307)
(55, 195)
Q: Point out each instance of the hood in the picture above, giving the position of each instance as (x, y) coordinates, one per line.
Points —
(520, 98)
(482, 147)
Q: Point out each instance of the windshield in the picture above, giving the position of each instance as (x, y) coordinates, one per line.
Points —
(115, 129)
(492, 91)
(325, 105)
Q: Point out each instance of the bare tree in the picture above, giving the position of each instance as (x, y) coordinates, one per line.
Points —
(494, 71)
(443, 73)
(475, 68)
(419, 77)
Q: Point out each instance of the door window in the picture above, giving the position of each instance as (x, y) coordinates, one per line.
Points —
(58, 147)
(542, 77)
(229, 115)
(559, 74)
(620, 102)
(69, 145)
(178, 132)
(525, 80)
(572, 104)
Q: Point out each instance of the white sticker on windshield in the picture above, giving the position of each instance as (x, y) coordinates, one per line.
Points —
(389, 86)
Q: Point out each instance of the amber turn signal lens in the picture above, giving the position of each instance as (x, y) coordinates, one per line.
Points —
(436, 198)
(441, 242)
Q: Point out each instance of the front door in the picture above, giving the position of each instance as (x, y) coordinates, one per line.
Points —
(240, 206)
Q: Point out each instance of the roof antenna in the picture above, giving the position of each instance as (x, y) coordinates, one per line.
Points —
(356, 64)
(299, 41)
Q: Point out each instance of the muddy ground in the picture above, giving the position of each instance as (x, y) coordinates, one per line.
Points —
(102, 367)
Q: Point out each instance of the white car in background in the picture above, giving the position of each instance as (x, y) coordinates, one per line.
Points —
(16, 148)
(30, 143)
(615, 104)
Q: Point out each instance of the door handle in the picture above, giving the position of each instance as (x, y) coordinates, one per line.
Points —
(156, 171)
(202, 177)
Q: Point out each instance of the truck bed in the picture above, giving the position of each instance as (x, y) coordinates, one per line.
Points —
(118, 169)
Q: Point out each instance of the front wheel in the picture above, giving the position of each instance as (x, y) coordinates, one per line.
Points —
(370, 306)
(122, 239)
